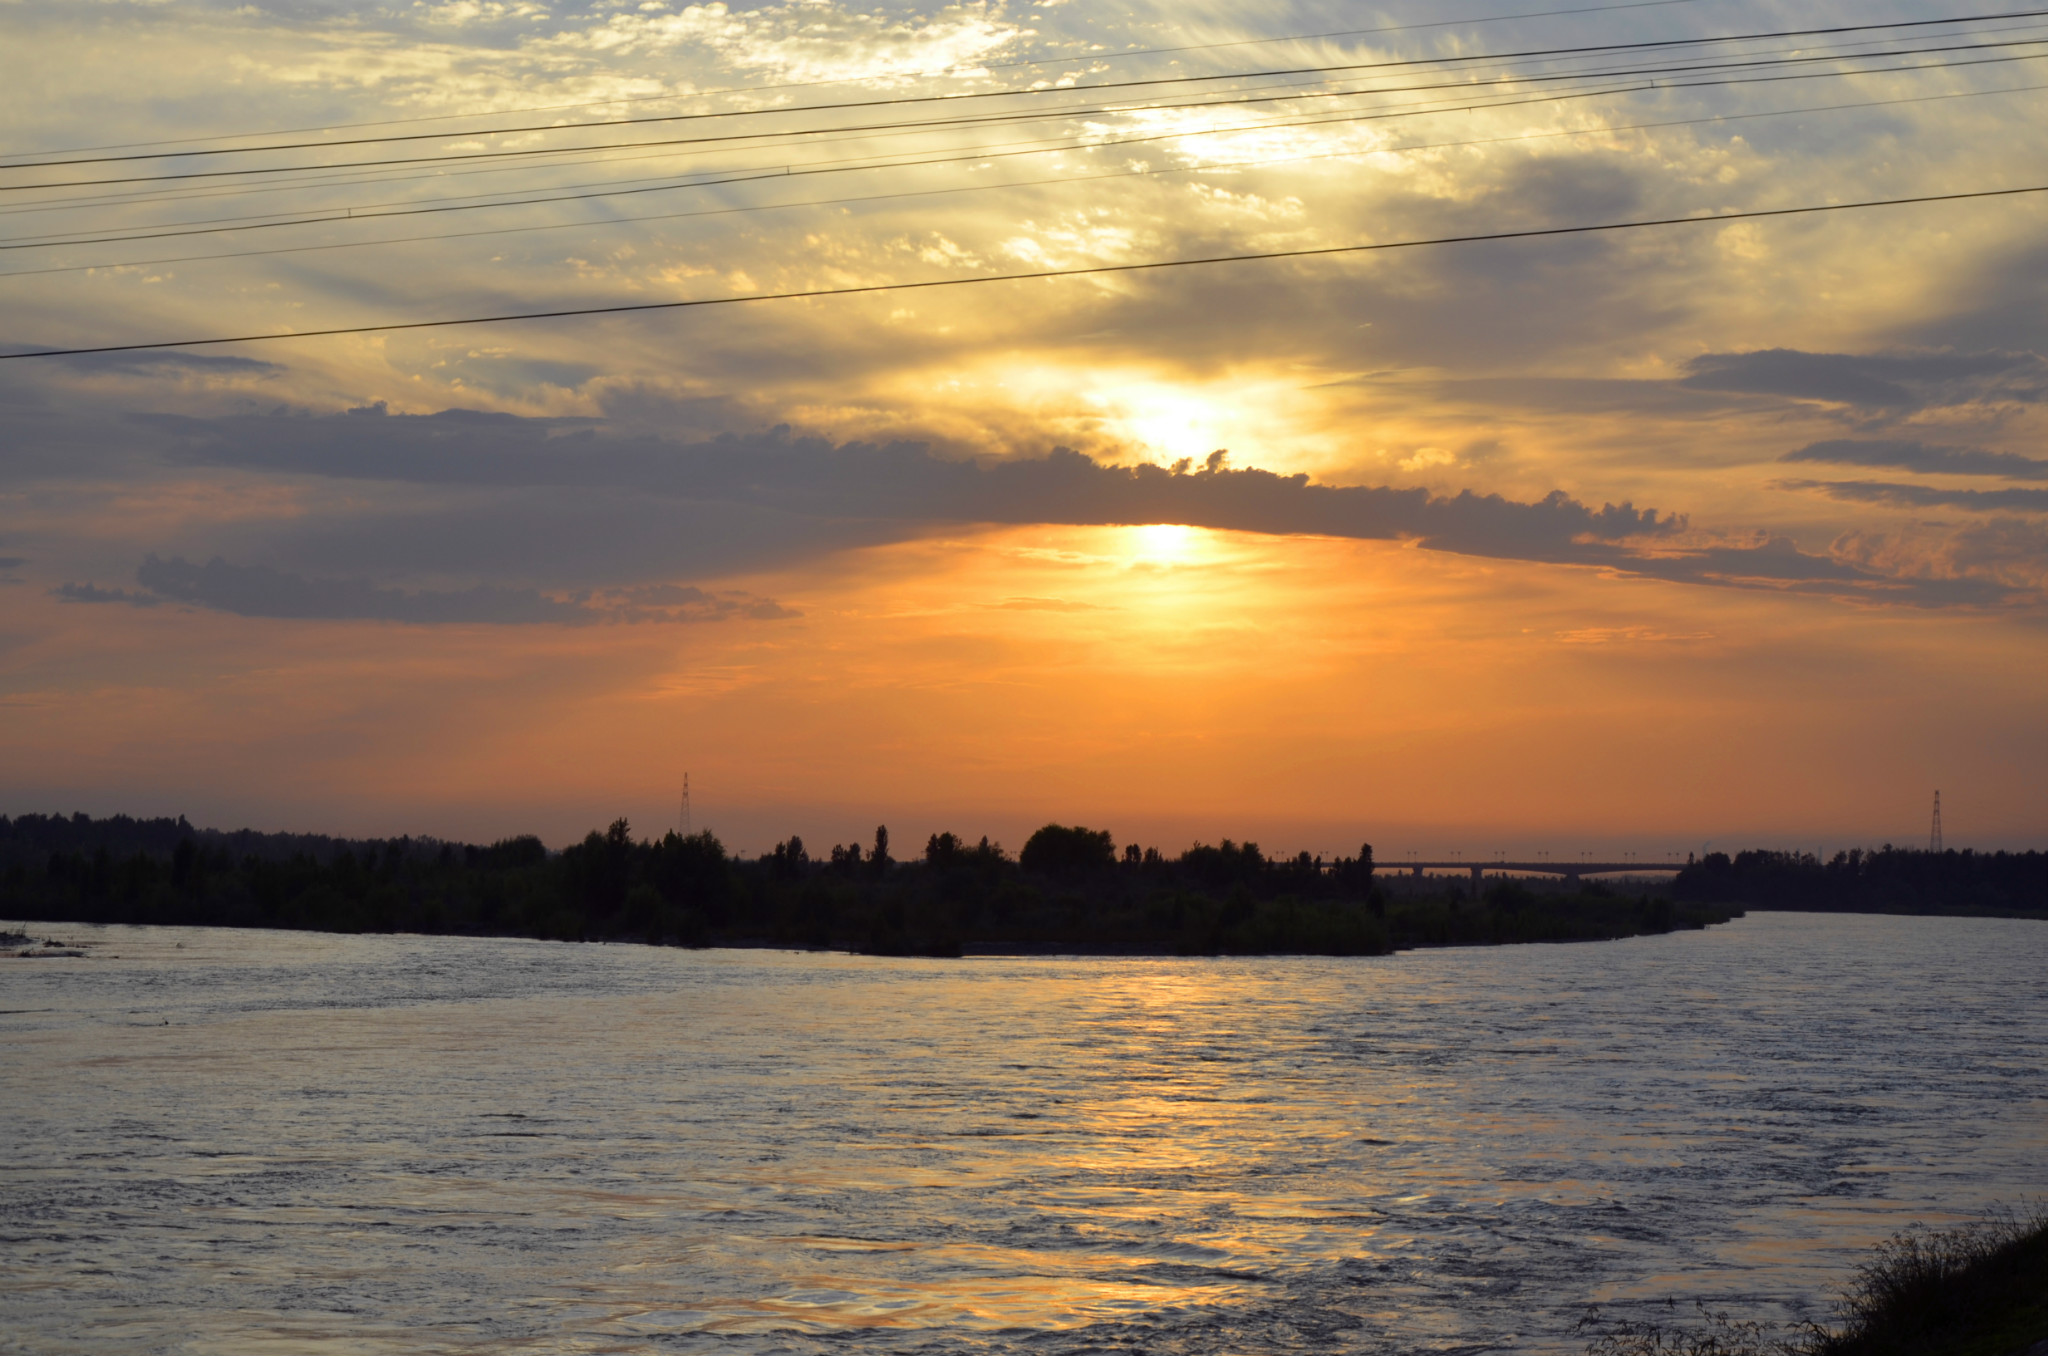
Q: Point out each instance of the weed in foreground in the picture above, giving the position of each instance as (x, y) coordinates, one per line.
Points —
(1976, 1288)
(1927, 1288)
(1715, 1334)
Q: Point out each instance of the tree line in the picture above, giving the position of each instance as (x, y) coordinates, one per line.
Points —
(1070, 889)
(1882, 880)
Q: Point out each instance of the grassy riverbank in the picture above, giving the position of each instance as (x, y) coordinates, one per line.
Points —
(1980, 1291)
(1977, 1290)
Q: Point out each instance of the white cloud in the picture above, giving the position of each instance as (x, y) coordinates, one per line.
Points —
(805, 42)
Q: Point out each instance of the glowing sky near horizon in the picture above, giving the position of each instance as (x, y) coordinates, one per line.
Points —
(1733, 533)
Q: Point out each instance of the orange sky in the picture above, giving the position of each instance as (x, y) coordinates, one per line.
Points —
(823, 555)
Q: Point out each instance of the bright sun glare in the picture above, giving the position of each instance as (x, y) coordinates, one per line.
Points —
(1166, 544)
(1168, 422)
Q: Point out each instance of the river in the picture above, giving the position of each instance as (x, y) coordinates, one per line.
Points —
(244, 1142)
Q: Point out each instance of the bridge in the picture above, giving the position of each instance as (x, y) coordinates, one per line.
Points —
(1543, 866)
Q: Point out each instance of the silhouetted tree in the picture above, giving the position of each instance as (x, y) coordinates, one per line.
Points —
(1225, 864)
(942, 850)
(1068, 853)
(790, 859)
(691, 873)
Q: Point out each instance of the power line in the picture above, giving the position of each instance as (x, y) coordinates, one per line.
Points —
(1037, 146)
(330, 178)
(1648, 72)
(1095, 270)
(1013, 92)
(851, 80)
(935, 124)
(1027, 183)
(340, 177)
(331, 216)
(672, 183)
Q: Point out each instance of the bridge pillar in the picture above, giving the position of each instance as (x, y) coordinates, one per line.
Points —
(1477, 872)
(1571, 880)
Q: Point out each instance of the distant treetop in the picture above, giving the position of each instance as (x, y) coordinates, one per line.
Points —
(1057, 850)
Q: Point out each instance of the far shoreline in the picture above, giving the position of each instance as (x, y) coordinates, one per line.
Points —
(1070, 890)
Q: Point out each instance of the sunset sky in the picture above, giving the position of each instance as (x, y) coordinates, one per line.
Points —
(1732, 533)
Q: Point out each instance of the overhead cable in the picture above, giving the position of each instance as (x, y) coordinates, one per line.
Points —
(1033, 90)
(978, 154)
(531, 153)
(1094, 270)
(1092, 57)
(1226, 165)
(332, 178)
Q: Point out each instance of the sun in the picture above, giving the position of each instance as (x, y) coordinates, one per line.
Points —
(1167, 544)
(1167, 421)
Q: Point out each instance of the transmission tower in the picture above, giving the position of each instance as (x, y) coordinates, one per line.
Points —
(686, 805)
(1934, 834)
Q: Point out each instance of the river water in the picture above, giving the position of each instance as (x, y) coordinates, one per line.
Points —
(243, 1142)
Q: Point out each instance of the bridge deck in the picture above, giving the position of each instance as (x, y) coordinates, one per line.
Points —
(1536, 868)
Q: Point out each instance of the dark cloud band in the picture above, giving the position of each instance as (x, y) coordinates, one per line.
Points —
(1892, 383)
(258, 591)
(814, 497)
(1925, 496)
(1922, 457)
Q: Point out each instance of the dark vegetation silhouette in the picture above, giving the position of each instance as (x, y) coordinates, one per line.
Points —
(1884, 880)
(1977, 1290)
(1068, 890)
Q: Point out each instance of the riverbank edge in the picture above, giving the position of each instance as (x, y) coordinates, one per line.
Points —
(1979, 1290)
(1976, 1289)
(21, 944)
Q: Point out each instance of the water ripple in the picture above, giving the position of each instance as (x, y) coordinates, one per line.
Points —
(236, 1141)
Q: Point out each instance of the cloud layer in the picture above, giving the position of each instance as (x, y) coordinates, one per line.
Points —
(865, 492)
(257, 591)
(1926, 496)
(1926, 458)
(1889, 382)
